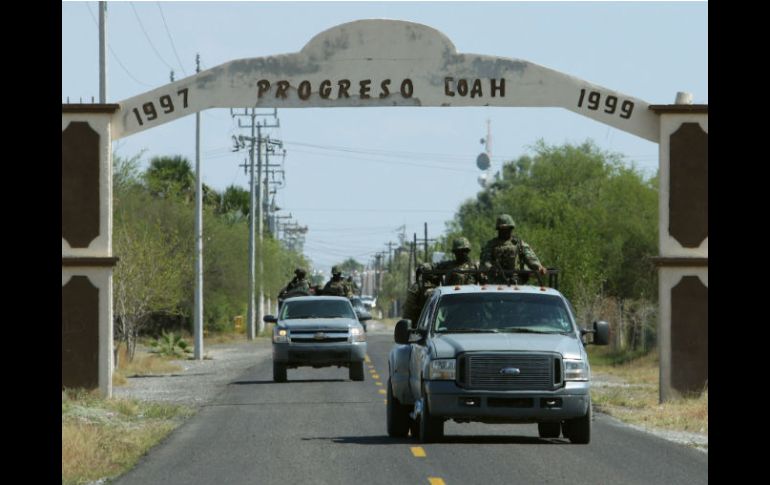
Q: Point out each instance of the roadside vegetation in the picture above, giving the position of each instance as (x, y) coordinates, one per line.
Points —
(103, 438)
(154, 239)
(626, 386)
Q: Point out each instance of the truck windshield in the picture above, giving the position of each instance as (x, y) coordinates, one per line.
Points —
(501, 312)
(316, 309)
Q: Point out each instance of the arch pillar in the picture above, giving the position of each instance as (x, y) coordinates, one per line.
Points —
(683, 242)
(87, 261)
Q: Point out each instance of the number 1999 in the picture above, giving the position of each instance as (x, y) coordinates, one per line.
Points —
(610, 103)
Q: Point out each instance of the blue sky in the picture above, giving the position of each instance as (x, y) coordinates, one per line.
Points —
(351, 199)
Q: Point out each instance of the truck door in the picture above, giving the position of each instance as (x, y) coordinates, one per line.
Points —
(420, 350)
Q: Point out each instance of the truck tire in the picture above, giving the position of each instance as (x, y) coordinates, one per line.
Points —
(431, 428)
(356, 371)
(397, 416)
(279, 372)
(578, 430)
(549, 430)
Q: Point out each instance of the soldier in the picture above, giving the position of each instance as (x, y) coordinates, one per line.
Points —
(337, 286)
(298, 286)
(419, 292)
(507, 252)
(461, 248)
(352, 285)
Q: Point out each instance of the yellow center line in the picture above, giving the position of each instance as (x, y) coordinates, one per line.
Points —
(436, 481)
(381, 391)
(418, 451)
(378, 383)
(375, 376)
(366, 358)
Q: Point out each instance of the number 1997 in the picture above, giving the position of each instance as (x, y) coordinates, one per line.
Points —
(610, 103)
(166, 104)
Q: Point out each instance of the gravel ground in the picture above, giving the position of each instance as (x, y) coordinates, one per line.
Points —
(200, 380)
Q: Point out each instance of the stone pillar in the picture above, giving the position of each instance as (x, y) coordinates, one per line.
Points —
(87, 260)
(683, 241)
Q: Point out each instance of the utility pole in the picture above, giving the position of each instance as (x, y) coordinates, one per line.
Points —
(255, 218)
(425, 242)
(409, 271)
(390, 245)
(414, 250)
(377, 274)
(198, 313)
(103, 52)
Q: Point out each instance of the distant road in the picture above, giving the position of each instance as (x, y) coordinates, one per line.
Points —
(321, 428)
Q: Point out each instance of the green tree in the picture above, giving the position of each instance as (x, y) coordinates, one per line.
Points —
(170, 177)
(235, 200)
(350, 265)
(581, 210)
(148, 276)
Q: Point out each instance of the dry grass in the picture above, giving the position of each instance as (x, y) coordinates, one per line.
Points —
(633, 396)
(143, 364)
(105, 437)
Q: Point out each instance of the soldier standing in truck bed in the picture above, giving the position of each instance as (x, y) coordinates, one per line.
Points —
(507, 252)
(419, 292)
(461, 248)
(337, 286)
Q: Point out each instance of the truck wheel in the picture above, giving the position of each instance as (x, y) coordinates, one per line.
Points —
(279, 372)
(579, 430)
(431, 428)
(356, 371)
(549, 430)
(397, 416)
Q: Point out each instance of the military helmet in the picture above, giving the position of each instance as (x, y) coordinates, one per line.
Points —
(461, 243)
(424, 267)
(300, 272)
(336, 270)
(504, 221)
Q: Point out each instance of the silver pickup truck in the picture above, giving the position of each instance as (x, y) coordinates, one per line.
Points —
(318, 331)
(492, 354)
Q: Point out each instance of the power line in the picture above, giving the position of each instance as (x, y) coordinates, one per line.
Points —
(113, 52)
(148, 37)
(173, 46)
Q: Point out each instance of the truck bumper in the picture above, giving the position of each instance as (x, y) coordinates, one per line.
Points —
(447, 400)
(319, 355)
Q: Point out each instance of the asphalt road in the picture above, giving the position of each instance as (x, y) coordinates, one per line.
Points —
(321, 428)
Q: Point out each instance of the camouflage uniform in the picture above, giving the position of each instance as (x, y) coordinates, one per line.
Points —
(418, 294)
(460, 247)
(296, 287)
(507, 254)
(337, 286)
(352, 285)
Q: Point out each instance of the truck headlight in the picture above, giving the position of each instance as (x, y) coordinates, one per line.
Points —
(442, 369)
(357, 334)
(575, 370)
(280, 335)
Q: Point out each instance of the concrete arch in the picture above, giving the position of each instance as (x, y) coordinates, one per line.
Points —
(368, 63)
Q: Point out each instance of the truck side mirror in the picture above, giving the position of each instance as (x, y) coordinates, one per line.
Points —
(269, 319)
(401, 333)
(601, 333)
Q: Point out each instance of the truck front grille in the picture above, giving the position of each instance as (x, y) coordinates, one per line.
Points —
(510, 371)
(318, 337)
